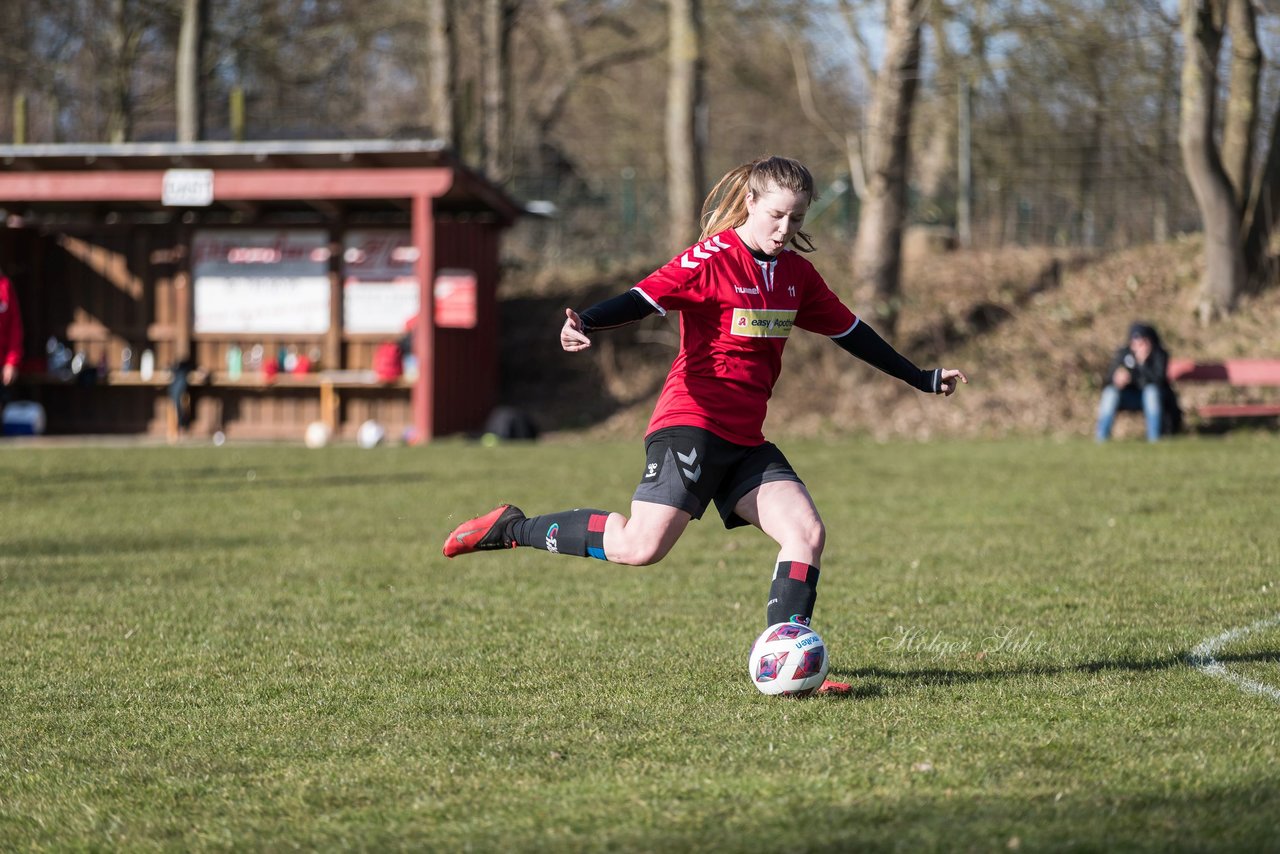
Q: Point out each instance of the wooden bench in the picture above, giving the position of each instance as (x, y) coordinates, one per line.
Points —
(1237, 373)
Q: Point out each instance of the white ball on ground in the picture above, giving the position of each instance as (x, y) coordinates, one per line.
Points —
(317, 435)
(371, 434)
(788, 660)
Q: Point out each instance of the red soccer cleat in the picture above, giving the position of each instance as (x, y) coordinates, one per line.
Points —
(484, 533)
(838, 689)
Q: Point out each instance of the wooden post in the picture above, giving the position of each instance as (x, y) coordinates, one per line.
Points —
(332, 356)
(237, 113)
(20, 119)
(183, 298)
(329, 406)
(423, 396)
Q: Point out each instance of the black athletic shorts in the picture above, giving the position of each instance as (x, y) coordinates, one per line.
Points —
(689, 467)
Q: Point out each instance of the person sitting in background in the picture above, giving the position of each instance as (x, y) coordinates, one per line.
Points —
(1138, 381)
(10, 336)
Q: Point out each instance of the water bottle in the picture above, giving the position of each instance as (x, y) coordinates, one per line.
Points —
(235, 361)
(126, 359)
(147, 365)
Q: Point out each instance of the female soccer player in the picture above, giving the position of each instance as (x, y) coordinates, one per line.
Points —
(740, 290)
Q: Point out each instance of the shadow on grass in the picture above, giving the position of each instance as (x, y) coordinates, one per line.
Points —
(214, 480)
(124, 543)
(1206, 817)
(872, 677)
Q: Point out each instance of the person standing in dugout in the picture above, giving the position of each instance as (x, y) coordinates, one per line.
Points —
(10, 337)
(739, 290)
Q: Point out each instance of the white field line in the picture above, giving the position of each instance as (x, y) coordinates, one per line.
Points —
(1202, 658)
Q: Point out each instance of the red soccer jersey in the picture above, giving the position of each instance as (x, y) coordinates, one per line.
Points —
(735, 316)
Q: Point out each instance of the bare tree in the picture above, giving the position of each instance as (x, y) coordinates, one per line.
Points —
(499, 18)
(123, 36)
(878, 249)
(849, 142)
(1203, 26)
(189, 89)
(686, 135)
(1240, 121)
(441, 56)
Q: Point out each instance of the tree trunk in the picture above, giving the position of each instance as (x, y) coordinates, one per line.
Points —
(498, 16)
(1165, 133)
(1241, 120)
(1224, 271)
(964, 163)
(1093, 154)
(119, 96)
(1264, 213)
(877, 257)
(1262, 204)
(440, 65)
(189, 88)
(686, 141)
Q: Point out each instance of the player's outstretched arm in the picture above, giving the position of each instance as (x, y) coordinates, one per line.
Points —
(610, 314)
(863, 342)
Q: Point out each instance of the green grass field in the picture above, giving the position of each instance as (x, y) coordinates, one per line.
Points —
(262, 648)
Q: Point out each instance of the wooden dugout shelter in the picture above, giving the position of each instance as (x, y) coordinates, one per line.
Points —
(215, 252)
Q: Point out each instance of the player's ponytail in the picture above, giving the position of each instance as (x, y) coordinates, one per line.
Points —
(726, 205)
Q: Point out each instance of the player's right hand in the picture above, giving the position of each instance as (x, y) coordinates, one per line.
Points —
(572, 338)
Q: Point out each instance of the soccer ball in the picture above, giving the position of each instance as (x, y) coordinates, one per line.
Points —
(371, 434)
(317, 435)
(789, 660)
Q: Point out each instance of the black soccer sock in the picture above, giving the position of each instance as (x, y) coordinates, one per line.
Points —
(794, 590)
(573, 532)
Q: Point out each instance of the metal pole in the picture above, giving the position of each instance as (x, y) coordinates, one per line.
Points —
(964, 165)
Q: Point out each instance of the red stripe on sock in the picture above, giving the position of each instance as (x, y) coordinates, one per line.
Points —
(799, 571)
(596, 523)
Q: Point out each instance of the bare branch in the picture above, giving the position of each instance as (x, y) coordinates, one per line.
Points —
(863, 52)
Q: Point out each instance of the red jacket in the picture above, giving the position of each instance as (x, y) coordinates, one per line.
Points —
(10, 324)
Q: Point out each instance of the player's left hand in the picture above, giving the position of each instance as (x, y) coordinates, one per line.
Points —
(951, 379)
(572, 338)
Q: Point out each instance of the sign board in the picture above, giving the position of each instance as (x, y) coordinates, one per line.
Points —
(455, 295)
(261, 281)
(379, 288)
(187, 188)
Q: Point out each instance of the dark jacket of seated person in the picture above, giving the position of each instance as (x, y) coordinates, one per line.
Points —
(1142, 364)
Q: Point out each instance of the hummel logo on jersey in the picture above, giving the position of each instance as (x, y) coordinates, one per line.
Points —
(752, 291)
(702, 252)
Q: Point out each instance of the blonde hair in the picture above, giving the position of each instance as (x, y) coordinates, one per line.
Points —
(726, 205)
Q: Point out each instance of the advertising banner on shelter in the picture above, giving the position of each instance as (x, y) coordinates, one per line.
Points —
(455, 295)
(261, 281)
(379, 287)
